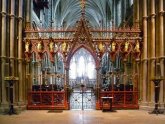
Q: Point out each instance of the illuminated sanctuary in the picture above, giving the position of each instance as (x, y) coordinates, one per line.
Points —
(74, 54)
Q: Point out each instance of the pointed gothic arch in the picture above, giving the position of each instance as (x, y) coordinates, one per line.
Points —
(97, 63)
(83, 39)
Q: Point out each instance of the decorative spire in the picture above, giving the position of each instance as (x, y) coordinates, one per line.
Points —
(82, 3)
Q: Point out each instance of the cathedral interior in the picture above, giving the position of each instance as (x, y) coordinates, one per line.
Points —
(82, 55)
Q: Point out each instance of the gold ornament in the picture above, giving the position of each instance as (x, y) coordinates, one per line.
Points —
(113, 45)
(51, 46)
(39, 46)
(64, 47)
(137, 47)
(126, 46)
(101, 47)
(27, 44)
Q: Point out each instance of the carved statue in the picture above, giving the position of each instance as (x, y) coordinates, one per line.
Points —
(113, 47)
(64, 46)
(39, 46)
(101, 47)
(126, 46)
(137, 47)
(27, 44)
(51, 47)
(68, 48)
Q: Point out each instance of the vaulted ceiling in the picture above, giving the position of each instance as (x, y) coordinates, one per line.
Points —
(99, 13)
(69, 11)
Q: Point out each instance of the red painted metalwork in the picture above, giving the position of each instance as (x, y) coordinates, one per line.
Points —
(57, 99)
(121, 99)
(82, 38)
(47, 100)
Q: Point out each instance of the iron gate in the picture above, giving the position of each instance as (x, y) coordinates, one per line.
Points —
(82, 99)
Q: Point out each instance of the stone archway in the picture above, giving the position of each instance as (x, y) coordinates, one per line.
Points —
(82, 80)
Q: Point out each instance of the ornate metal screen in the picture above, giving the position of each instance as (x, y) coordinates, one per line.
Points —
(82, 100)
(82, 80)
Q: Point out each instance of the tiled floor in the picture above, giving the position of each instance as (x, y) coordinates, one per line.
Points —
(83, 117)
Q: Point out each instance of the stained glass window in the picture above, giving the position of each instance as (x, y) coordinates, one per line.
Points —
(82, 65)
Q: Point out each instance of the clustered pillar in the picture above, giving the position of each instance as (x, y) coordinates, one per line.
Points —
(153, 50)
(3, 58)
(161, 48)
(66, 86)
(12, 62)
(20, 52)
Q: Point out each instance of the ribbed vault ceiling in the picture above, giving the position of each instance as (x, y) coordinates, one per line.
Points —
(68, 12)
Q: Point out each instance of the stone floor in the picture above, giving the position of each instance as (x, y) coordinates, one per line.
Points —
(83, 117)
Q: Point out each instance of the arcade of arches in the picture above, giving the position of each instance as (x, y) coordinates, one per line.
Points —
(69, 54)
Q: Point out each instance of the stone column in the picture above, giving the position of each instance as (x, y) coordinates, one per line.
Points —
(97, 88)
(12, 48)
(144, 55)
(28, 10)
(66, 76)
(137, 63)
(161, 48)
(20, 52)
(27, 65)
(137, 13)
(98, 77)
(12, 37)
(66, 87)
(27, 81)
(3, 57)
(152, 52)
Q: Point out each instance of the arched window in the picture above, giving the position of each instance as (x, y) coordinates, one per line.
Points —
(82, 65)
(73, 69)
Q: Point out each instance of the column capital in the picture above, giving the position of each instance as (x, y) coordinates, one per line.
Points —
(20, 59)
(3, 14)
(27, 62)
(153, 15)
(162, 57)
(153, 58)
(20, 18)
(137, 60)
(3, 57)
(12, 58)
(145, 17)
(144, 60)
(161, 13)
(12, 16)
